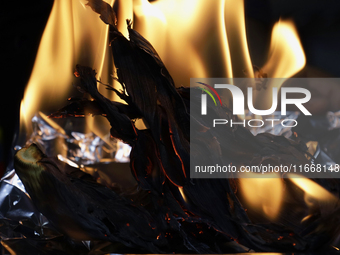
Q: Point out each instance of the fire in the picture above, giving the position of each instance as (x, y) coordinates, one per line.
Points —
(236, 31)
(182, 194)
(315, 196)
(55, 51)
(264, 195)
(313, 190)
(286, 56)
(73, 34)
(212, 37)
(194, 40)
(125, 11)
(190, 38)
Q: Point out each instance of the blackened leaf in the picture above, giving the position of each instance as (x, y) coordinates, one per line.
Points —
(106, 13)
(122, 126)
(81, 208)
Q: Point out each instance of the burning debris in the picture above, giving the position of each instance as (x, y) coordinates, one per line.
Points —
(166, 211)
(82, 209)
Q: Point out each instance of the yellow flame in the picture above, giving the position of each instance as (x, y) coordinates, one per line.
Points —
(182, 194)
(52, 70)
(263, 195)
(73, 35)
(286, 56)
(236, 31)
(194, 40)
(315, 196)
(124, 12)
(191, 38)
(188, 43)
(312, 189)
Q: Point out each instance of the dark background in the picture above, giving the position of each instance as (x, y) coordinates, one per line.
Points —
(23, 22)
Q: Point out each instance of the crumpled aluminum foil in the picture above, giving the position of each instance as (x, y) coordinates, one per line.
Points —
(333, 120)
(18, 216)
(23, 228)
(85, 149)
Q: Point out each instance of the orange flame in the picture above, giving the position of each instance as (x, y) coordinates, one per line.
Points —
(194, 40)
(190, 38)
(263, 195)
(313, 189)
(73, 34)
(237, 40)
(182, 194)
(286, 56)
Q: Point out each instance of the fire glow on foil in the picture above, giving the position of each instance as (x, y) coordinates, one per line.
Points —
(176, 215)
(82, 149)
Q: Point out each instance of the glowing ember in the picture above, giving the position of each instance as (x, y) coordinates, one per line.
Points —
(182, 194)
